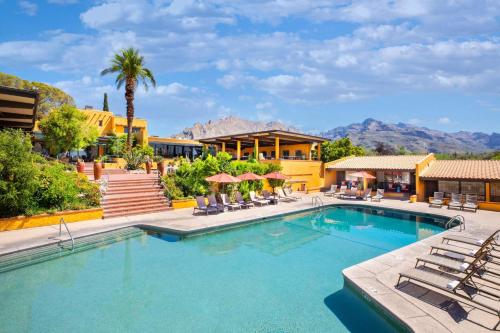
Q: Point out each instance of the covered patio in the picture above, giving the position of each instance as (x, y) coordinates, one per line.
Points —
(18, 108)
(268, 145)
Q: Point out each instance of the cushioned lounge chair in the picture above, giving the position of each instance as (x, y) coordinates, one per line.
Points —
(461, 253)
(332, 191)
(458, 287)
(378, 196)
(492, 239)
(212, 202)
(437, 200)
(341, 192)
(470, 202)
(240, 201)
(455, 201)
(202, 206)
(367, 194)
(289, 194)
(227, 203)
(282, 196)
(256, 200)
(456, 265)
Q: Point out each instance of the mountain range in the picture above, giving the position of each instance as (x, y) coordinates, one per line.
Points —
(367, 134)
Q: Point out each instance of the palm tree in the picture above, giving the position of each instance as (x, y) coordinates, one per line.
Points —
(130, 68)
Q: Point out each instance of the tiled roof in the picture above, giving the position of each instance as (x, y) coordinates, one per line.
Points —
(463, 169)
(396, 162)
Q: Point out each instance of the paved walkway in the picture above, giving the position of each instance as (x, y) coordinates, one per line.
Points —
(421, 309)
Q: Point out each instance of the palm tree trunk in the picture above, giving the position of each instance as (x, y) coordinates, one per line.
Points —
(129, 96)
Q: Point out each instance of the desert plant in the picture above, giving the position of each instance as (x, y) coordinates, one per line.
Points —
(134, 158)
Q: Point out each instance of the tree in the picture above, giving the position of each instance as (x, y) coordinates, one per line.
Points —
(105, 106)
(333, 150)
(129, 66)
(385, 149)
(49, 97)
(65, 129)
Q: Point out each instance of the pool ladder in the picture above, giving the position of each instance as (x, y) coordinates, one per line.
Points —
(317, 202)
(61, 222)
(459, 218)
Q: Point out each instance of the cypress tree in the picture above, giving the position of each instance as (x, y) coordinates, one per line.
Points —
(105, 106)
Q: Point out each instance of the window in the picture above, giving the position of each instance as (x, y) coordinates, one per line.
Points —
(298, 153)
(448, 187)
(286, 153)
(495, 192)
(474, 188)
(100, 123)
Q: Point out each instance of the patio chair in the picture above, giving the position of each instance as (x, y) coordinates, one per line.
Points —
(282, 196)
(455, 201)
(256, 200)
(212, 202)
(240, 201)
(350, 194)
(332, 191)
(227, 203)
(437, 200)
(379, 195)
(453, 285)
(289, 194)
(341, 192)
(452, 264)
(202, 206)
(470, 202)
(367, 194)
(461, 253)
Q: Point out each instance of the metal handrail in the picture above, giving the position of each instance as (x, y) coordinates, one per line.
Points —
(458, 218)
(61, 222)
(316, 201)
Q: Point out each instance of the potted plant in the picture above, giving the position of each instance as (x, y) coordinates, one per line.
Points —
(148, 164)
(97, 169)
(80, 166)
(160, 164)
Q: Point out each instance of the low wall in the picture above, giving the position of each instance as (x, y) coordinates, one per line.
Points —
(185, 203)
(42, 220)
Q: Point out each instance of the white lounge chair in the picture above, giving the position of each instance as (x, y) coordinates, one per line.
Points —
(437, 200)
(227, 203)
(378, 196)
(289, 194)
(455, 201)
(367, 194)
(470, 202)
(341, 192)
(256, 200)
(332, 191)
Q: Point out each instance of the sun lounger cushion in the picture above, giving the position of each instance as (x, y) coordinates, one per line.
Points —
(454, 255)
(464, 267)
(452, 284)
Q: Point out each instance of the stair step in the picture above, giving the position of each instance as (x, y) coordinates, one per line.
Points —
(136, 212)
(131, 196)
(148, 205)
(131, 204)
(132, 190)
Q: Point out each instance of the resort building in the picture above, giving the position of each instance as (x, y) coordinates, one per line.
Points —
(18, 108)
(298, 154)
(171, 148)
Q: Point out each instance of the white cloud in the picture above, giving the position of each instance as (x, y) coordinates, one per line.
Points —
(63, 2)
(444, 120)
(414, 121)
(28, 7)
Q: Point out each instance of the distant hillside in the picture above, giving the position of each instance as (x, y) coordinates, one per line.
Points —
(414, 138)
(230, 125)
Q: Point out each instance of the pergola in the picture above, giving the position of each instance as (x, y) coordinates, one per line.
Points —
(272, 138)
(18, 108)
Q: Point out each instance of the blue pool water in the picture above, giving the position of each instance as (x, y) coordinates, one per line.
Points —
(282, 275)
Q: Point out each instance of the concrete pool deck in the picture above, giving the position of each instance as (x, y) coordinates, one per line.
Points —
(422, 310)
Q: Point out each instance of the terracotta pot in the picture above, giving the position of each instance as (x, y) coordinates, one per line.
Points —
(148, 167)
(97, 170)
(161, 168)
(80, 167)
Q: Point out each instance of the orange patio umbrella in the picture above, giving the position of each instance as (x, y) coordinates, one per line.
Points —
(250, 176)
(222, 178)
(275, 175)
(362, 174)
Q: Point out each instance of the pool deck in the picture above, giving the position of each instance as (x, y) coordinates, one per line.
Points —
(420, 309)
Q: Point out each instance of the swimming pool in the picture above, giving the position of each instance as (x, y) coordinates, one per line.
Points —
(283, 275)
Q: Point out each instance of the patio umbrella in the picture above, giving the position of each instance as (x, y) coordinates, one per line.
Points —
(362, 174)
(250, 176)
(222, 178)
(275, 175)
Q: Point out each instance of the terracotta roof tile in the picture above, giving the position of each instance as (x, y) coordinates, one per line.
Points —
(463, 169)
(393, 162)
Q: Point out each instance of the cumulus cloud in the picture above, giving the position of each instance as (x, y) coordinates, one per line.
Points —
(444, 120)
(28, 7)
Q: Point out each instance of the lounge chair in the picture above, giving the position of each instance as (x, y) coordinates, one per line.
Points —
(462, 253)
(282, 196)
(202, 206)
(256, 200)
(240, 201)
(227, 203)
(350, 194)
(289, 194)
(470, 202)
(341, 192)
(492, 239)
(379, 195)
(456, 265)
(437, 200)
(332, 191)
(212, 202)
(367, 194)
(455, 201)
(453, 285)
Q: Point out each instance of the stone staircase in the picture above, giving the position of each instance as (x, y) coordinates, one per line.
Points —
(132, 194)
(89, 170)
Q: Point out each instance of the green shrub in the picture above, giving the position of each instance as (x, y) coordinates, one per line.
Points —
(171, 191)
(134, 158)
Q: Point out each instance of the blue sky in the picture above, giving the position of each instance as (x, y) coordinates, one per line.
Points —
(312, 64)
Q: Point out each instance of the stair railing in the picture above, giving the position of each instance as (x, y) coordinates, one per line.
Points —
(459, 218)
(61, 222)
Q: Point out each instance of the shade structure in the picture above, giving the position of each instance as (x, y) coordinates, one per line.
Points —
(275, 175)
(362, 174)
(222, 178)
(250, 176)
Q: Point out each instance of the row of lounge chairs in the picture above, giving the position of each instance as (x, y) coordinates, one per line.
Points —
(456, 201)
(352, 193)
(224, 203)
(463, 267)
